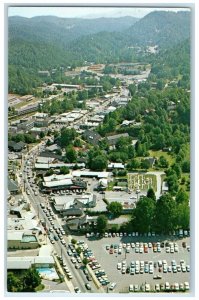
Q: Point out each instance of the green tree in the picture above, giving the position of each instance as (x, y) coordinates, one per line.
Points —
(183, 215)
(151, 194)
(74, 241)
(177, 170)
(67, 136)
(162, 162)
(143, 215)
(85, 261)
(99, 163)
(134, 164)
(14, 284)
(165, 215)
(101, 224)
(31, 280)
(71, 155)
(132, 89)
(182, 196)
(42, 135)
(172, 181)
(79, 250)
(186, 166)
(145, 164)
(64, 170)
(49, 172)
(115, 208)
(77, 143)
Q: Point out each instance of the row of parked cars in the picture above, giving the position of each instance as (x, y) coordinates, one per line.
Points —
(140, 247)
(65, 268)
(181, 233)
(93, 263)
(163, 287)
(141, 267)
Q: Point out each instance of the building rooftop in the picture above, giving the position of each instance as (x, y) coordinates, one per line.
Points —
(12, 185)
(13, 235)
(90, 174)
(55, 177)
(44, 160)
(16, 264)
(117, 136)
(58, 183)
(45, 250)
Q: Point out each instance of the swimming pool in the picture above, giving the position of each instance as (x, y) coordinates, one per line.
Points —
(48, 273)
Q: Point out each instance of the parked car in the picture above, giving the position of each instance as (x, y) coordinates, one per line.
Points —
(131, 288)
(112, 286)
(157, 287)
(87, 285)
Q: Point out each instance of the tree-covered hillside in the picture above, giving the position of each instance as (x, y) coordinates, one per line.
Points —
(44, 43)
(161, 28)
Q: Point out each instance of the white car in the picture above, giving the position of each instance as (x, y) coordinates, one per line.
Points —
(112, 286)
(157, 287)
(186, 286)
(131, 289)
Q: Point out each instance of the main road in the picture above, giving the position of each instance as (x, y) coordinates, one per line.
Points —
(79, 278)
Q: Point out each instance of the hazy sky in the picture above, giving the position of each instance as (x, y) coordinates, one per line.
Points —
(83, 12)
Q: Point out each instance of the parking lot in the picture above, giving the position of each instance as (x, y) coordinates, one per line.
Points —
(109, 262)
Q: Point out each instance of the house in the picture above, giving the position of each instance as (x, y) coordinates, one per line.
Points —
(84, 221)
(36, 131)
(151, 160)
(13, 187)
(26, 126)
(92, 137)
(112, 140)
(77, 212)
(16, 147)
(63, 203)
(53, 148)
(50, 154)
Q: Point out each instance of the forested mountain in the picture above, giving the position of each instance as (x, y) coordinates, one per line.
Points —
(162, 28)
(43, 43)
(63, 30)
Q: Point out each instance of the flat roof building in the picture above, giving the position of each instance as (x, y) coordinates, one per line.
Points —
(90, 174)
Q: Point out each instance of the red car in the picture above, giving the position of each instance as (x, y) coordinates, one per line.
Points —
(111, 251)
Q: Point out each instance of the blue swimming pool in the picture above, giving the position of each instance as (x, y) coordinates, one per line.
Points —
(48, 273)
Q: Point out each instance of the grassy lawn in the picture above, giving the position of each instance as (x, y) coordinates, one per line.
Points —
(166, 155)
(111, 184)
(142, 181)
(39, 287)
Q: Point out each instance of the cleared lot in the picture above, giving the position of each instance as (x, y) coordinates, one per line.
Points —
(109, 262)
